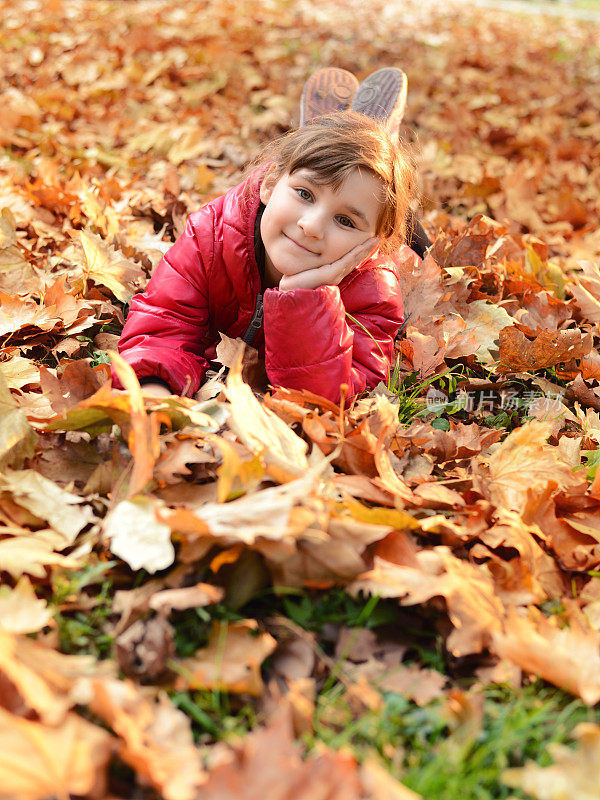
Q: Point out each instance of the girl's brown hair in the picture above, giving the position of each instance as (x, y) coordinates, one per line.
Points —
(332, 146)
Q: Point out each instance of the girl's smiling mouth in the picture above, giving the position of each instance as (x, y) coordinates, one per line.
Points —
(293, 241)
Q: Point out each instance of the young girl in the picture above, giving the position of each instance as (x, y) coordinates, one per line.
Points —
(306, 238)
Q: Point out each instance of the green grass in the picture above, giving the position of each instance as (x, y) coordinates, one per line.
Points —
(84, 632)
(420, 748)
(424, 747)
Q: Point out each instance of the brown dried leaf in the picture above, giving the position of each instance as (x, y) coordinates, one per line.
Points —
(519, 354)
(230, 662)
(567, 657)
(523, 463)
(30, 768)
(155, 738)
(473, 608)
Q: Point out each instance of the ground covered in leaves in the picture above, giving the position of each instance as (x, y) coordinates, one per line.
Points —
(244, 596)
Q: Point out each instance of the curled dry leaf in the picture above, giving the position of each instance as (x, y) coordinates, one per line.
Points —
(202, 594)
(142, 435)
(143, 650)
(262, 430)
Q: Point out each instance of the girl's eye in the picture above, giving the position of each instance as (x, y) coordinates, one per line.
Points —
(346, 222)
(304, 194)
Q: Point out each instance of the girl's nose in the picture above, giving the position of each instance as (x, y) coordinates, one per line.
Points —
(311, 224)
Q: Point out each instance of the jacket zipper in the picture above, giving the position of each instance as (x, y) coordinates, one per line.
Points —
(256, 322)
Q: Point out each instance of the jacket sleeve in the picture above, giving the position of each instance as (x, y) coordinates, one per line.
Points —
(317, 339)
(166, 324)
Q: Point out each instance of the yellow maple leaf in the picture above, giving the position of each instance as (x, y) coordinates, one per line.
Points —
(109, 268)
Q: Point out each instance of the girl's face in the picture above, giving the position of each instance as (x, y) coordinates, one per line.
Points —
(306, 225)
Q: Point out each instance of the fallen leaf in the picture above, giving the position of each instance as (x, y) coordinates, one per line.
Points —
(230, 662)
(30, 555)
(202, 594)
(473, 608)
(108, 267)
(20, 609)
(485, 321)
(412, 681)
(61, 509)
(136, 534)
(142, 435)
(519, 354)
(268, 764)
(19, 372)
(155, 738)
(17, 437)
(567, 657)
(29, 767)
(262, 430)
(572, 775)
(523, 463)
(144, 649)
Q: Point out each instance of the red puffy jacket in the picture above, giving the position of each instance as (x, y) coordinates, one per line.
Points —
(208, 282)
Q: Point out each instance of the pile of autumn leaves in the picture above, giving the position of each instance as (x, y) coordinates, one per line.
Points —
(494, 530)
(484, 526)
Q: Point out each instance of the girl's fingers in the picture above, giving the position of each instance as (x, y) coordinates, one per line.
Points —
(333, 273)
(358, 254)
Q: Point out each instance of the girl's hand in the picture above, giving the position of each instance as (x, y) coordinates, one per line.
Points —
(149, 390)
(330, 274)
(155, 390)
